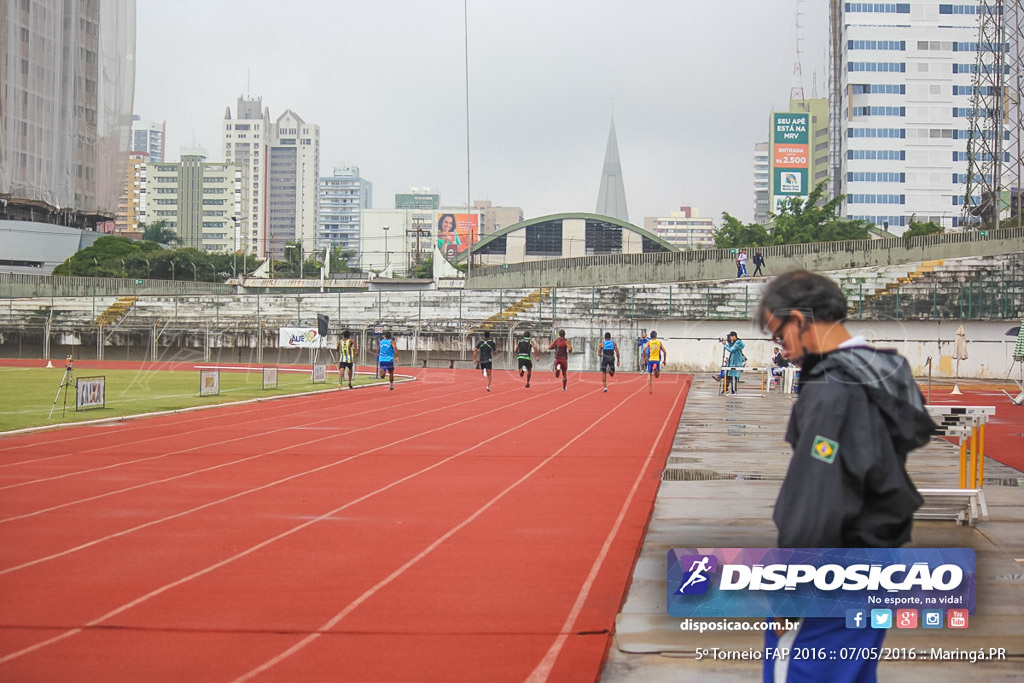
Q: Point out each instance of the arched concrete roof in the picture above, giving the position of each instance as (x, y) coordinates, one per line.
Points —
(563, 216)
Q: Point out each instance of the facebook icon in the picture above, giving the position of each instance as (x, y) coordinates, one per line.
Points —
(856, 618)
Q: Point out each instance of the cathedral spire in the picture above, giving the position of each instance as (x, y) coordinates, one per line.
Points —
(611, 198)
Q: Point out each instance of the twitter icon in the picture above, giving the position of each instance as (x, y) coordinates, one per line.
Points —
(881, 618)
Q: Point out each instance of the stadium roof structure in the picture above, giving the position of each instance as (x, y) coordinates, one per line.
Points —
(649, 241)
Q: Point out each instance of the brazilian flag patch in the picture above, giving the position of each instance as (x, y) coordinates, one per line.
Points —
(824, 449)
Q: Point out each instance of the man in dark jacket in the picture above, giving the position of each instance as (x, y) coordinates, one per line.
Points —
(858, 415)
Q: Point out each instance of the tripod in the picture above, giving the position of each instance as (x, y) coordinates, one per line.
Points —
(724, 379)
(68, 380)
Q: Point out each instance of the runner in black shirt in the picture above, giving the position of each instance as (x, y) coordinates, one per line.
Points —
(482, 355)
(523, 348)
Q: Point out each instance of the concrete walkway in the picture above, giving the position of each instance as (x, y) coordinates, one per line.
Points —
(723, 476)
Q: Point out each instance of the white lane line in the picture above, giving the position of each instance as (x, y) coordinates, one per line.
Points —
(369, 593)
(333, 417)
(205, 446)
(547, 663)
(158, 591)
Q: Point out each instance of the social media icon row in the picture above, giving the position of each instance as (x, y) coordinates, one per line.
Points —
(905, 618)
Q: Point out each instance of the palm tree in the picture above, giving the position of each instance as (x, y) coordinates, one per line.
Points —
(159, 232)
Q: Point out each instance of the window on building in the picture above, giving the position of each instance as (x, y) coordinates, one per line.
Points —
(544, 239)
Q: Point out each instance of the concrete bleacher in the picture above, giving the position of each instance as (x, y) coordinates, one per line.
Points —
(948, 288)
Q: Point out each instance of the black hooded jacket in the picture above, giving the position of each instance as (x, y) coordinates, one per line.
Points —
(858, 416)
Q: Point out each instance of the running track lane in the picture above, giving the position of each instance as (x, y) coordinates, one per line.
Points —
(432, 533)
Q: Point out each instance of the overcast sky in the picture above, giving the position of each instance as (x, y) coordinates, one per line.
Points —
(691, 85)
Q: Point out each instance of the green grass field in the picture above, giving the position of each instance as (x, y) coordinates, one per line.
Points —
(27, 394)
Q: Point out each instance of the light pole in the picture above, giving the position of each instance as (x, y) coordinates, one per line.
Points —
(195, 273)
(172, 271)
(147, 267)
(124, 269)
(298, 248)
(387, 260)
(234, 254)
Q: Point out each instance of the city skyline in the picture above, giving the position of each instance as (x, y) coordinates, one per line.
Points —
(689, 98)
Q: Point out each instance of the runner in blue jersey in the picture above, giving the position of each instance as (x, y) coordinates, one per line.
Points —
(609, 359)
(387, 357)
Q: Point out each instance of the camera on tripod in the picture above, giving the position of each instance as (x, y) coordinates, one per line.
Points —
(69, 362)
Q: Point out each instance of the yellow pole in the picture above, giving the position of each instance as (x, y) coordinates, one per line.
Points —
(981, 455)
(974, 457)
(963, 462)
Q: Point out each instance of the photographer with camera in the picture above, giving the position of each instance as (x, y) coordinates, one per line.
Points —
(732, 358)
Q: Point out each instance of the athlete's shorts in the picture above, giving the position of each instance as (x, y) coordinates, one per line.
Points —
(608, 365)
(387, 365)
(525, 363)
(486, 365)
(344, 366)
(562, 363)
(653, 366)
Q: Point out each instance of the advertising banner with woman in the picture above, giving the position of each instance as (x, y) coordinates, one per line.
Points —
(456, 231)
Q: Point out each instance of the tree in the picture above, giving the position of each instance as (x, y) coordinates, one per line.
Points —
(920, 229)
(804, 220)
(110, 256)
(159, 232)
(424, 269)
(734, 234)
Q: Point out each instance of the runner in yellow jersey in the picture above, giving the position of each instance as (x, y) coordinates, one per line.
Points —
(656, 354)
(347, 352)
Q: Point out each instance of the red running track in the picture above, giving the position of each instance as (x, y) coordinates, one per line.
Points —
(434, 533)
(1004, 433)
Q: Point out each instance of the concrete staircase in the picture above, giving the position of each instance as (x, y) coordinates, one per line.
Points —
(116, 311)
(513, 311)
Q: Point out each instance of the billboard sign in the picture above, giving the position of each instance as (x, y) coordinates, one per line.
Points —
(428, 202)
(791, 160)
(456, 231)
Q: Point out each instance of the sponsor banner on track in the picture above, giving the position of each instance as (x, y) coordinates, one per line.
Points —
(298, 337)
(817, 582)
(319, 373)
(209, 382)
(90, 392)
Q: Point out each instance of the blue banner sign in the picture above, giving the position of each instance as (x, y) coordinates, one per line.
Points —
(817, 582)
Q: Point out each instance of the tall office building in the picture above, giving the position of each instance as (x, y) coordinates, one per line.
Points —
(281, 169)
(904, 88)
(131, 207)
(67, 80)
(199, 200)
(148, 137)
(246, 141)
(343, 196)
(762, 183)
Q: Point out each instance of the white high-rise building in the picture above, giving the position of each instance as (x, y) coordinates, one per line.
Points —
(246, 141)
(343, 196)
(281, 170)
(199, 200)
(906, 97)
(762, 183)
(148, 137)
(293, 178)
